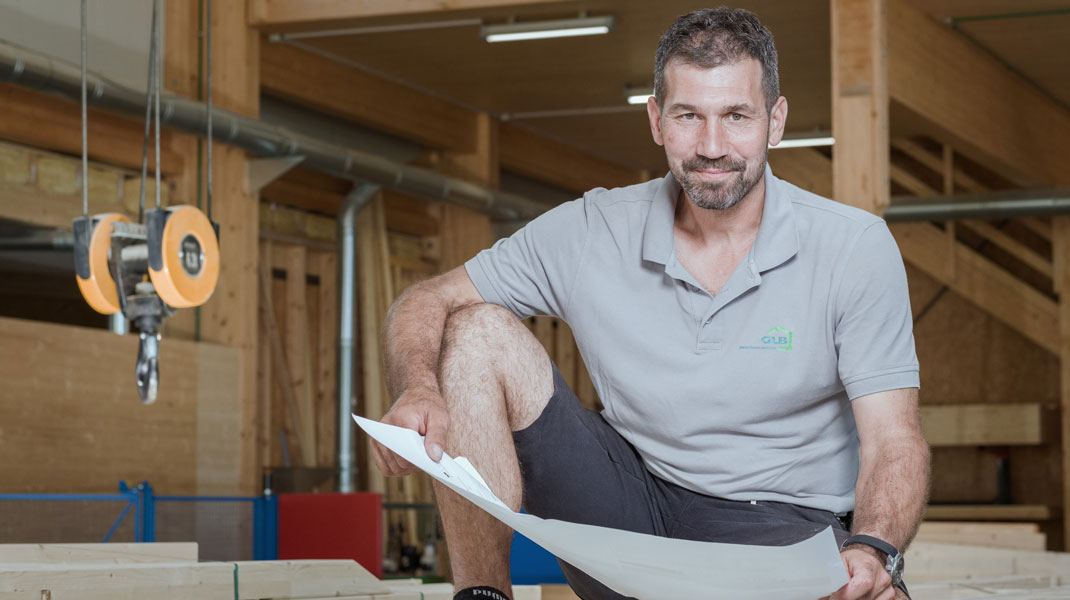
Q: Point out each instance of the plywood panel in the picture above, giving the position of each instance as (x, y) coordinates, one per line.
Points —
(71, 420)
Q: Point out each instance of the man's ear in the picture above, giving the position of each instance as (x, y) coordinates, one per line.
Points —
(778, 117)
(654, 112)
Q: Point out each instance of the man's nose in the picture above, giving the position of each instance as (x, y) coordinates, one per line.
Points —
(712, 142)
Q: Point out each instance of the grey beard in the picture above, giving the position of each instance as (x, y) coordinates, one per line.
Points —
(722, 195)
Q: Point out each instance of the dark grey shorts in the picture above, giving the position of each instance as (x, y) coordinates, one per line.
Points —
(576, 467)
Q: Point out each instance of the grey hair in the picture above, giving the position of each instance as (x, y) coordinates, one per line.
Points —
(712, 37)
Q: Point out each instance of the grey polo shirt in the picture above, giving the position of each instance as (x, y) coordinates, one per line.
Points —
(745, 395)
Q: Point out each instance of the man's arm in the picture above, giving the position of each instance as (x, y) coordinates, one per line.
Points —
(892, 488)
(412, 338)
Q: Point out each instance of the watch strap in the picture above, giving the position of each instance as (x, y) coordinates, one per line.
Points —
(894, 562)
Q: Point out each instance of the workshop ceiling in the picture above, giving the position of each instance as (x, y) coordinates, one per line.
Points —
(591, 73)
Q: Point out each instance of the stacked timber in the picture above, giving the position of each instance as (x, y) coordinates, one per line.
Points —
(171, 571)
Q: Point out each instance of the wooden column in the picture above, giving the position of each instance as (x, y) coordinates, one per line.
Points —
(230, 317)
(1061, 253)
(860, 104)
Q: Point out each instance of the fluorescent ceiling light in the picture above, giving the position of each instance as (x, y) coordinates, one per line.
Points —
(638, 95)
(805, 142)
(537, 30)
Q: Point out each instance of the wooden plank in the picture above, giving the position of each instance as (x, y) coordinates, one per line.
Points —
(1037, 226)
(987, 512)
(297, 347)
(280, 365)
(544, 332)
(113, 553)
(805, 167)
(326, 263)
(993, 424)
(949, 562)
(237, 580)
(279, 15)
(86, 375)
(332, 87)
(981, 282)
(860, 104)
(265, 433)
(1015, 536)
(374, 293)
(973, 102)
(913, 184)
(1013, 247)
(546, 159)
(410, 215)
(936, 163)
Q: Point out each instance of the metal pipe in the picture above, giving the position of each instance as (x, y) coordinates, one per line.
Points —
(37, 71)
(347, 296)
(988, 206)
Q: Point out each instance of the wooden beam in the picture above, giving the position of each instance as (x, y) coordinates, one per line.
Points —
(1017, 249)
(982, 282)
(948, 562)
(860, 104)
(329, 86)
(282, 14)
(239, 580)
(297, 346)
(114, 553)
(537, 156)
(982, 424)
(1015, 536)
(53, 123)
(227, 317)
(973, 102)
(938, 164)
(1061, 252)
(988, 512)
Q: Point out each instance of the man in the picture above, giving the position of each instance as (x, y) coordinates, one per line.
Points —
(751, 343)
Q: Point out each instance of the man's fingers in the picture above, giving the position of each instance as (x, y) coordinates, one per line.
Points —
(888, 593)
(435, 439)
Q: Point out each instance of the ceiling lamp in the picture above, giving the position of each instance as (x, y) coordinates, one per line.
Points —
(538, 30)
(638, 95)
(806, 140)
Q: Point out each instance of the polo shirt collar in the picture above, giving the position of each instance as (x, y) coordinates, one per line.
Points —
(776, 242)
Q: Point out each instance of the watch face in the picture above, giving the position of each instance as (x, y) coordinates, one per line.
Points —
(895, 568)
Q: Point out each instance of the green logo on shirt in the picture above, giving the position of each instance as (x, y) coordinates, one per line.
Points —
(777, 338)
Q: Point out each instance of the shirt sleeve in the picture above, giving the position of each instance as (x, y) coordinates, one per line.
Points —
(874, 329)
(533, 271)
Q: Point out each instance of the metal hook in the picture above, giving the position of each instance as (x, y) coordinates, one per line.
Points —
(147, 370)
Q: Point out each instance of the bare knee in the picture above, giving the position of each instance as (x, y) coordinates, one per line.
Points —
(485, 344)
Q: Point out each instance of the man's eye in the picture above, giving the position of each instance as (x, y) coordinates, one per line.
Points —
(689, 116)
(736, 117)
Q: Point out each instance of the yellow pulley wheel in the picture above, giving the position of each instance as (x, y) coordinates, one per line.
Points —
(99, 288)
(189, 254)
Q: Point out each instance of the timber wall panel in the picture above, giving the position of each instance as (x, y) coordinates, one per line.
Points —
(71, 420)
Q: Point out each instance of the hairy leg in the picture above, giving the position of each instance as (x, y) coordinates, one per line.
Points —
(495, 378)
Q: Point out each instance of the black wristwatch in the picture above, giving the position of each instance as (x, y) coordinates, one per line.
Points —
(893, 563)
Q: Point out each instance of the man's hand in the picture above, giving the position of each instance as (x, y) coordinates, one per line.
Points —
(424, 411)
(868, 578)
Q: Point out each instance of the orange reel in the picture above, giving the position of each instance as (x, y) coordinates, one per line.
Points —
(99, 288)
(188, 267)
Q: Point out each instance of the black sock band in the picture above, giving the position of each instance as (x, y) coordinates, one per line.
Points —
(483, 592)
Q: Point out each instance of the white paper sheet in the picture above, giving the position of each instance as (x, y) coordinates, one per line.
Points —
(639, 565)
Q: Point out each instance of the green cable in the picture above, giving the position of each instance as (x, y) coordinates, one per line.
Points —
(235, 581)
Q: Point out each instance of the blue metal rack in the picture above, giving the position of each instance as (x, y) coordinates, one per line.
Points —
(142, 502)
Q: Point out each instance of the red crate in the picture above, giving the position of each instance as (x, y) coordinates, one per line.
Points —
(332, 526)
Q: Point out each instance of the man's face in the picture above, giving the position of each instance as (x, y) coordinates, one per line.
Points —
(715, 129)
